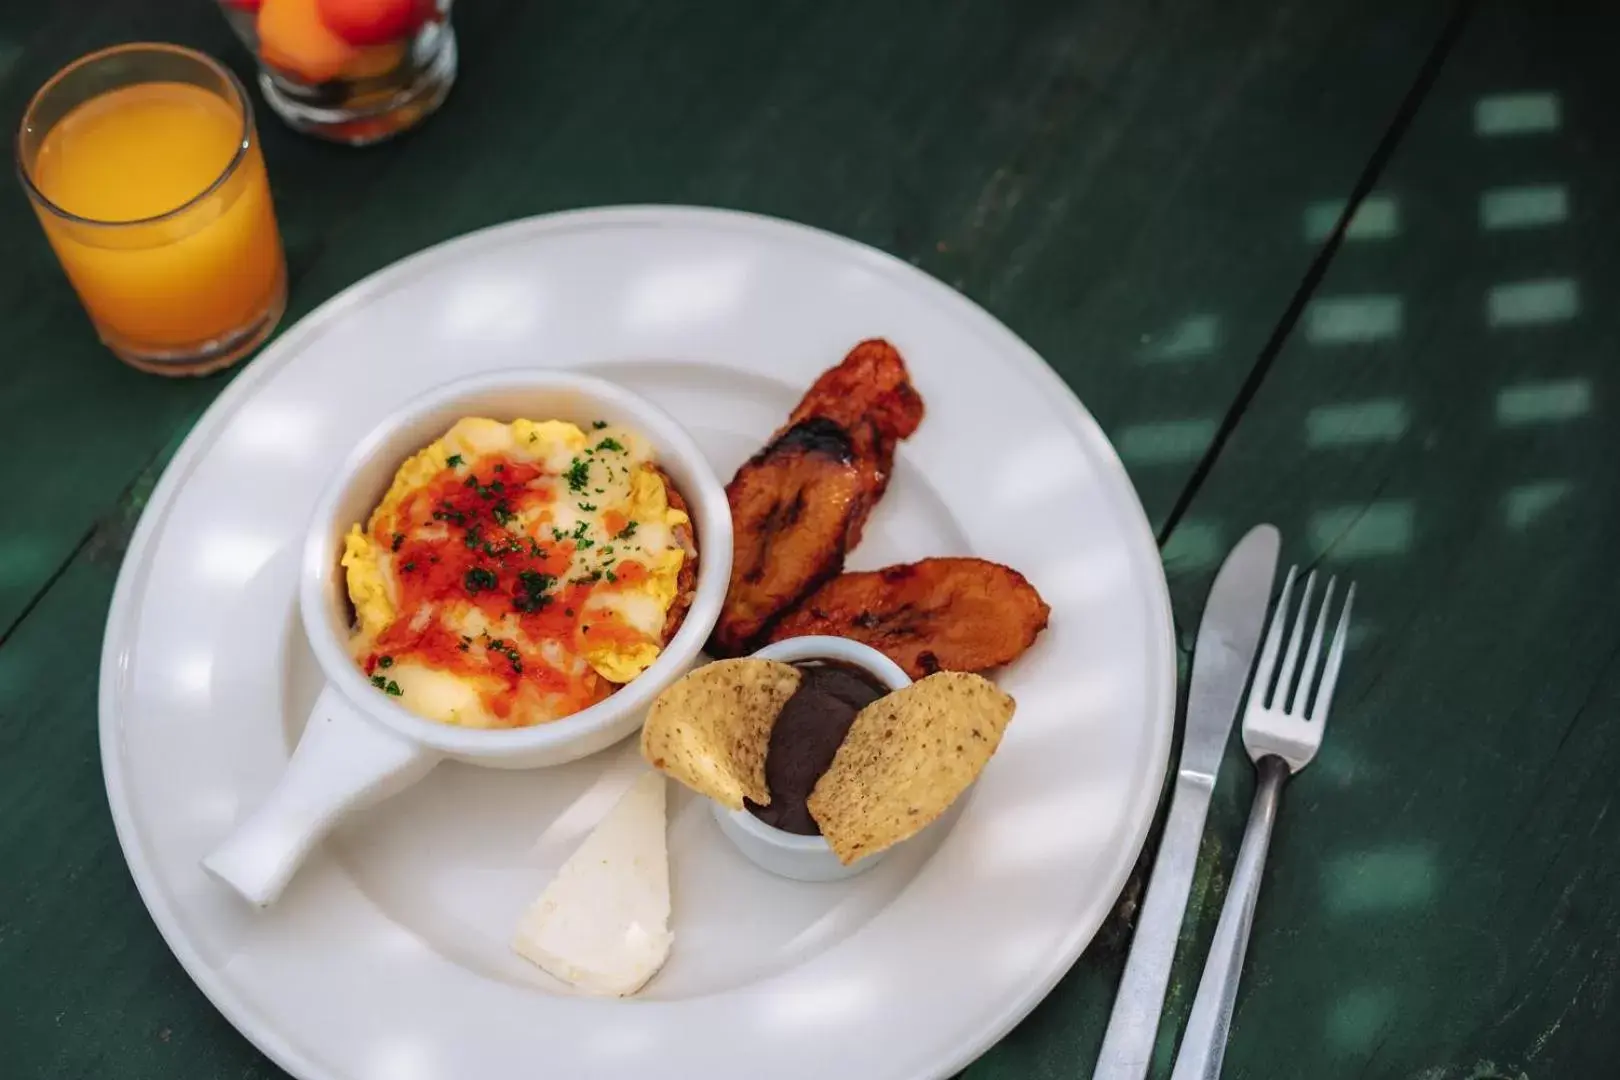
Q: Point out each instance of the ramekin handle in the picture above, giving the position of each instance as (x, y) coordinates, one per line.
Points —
(344, 761)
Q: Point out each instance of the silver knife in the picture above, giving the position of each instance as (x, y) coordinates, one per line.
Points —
(1223, 654)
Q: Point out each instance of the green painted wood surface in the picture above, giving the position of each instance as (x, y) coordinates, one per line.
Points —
(1442, 896)
(1140, 191)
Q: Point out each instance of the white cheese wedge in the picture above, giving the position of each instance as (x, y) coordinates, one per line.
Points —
(602, 925)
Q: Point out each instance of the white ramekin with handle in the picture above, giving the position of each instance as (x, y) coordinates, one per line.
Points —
(360, 746)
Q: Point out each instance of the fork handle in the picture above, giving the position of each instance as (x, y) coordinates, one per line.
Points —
(1204, 1045)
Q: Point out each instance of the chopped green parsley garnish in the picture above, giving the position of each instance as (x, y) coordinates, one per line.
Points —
(610, 443)
(598, 424)
(453, 460)
(534, 585)
(627, 532)
(509, 651)
(587, 507)
(479, 579)
(579, 474)
(502, 513)
(408, 567)
(385, 661)
(399, 539)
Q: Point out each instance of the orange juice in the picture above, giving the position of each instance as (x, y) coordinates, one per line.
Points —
(161, 216)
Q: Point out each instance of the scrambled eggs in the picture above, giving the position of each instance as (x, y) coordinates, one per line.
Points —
(516, 573)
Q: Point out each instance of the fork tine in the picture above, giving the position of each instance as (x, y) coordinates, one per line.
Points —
(1330, 674)
(1259, 692)
(1307, 672)
(1286, 675)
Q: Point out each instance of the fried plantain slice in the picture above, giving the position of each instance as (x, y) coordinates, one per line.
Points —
(794, 507)
(955, 614)
(872, 384)
(801, 503)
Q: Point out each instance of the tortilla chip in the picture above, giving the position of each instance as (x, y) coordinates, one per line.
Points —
(711, 729)
(907, 757)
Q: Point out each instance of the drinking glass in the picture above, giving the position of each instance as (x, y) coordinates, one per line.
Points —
(390, 73)
(143, 165)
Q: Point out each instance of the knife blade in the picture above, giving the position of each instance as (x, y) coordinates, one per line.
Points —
(1227, 638)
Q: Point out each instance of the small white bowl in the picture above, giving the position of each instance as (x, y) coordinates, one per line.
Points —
(359, 746)
(790, 855)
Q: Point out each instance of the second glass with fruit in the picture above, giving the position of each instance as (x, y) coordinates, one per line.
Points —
(353, 71)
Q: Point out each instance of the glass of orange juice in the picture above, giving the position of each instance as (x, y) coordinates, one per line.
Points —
(144, 167)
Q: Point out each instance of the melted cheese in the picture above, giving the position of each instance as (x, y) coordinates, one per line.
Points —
(495, 555)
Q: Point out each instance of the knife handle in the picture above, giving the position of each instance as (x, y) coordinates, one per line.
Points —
(1127, 1047)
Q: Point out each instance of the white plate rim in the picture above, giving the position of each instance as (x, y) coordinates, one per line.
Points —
(119, 625)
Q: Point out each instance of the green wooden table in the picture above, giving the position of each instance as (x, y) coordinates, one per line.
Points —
(1344, 265)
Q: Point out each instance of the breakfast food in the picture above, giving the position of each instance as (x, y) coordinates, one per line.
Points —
(799, 505)
(906, 759)
(933, 615)
(602, 925)
(798, 508)
(710, 729)
(906, 756)
(806, 734)
(321, 40)
(517, 573)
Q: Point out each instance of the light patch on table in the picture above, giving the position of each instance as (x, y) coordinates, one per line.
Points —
(1194, 336)
(1546, 402)
(1525, 504)
(1164, 442)
(1530, 113)
(1194, 545)
(23, 561)
(1344, 767)
(1358, 1016)
(1391, 879)
(1532, 303)
(1354, 423)
(1530, 206)
(1345, 320)
(1359, 532)
(1377, 218)
(1359, 633)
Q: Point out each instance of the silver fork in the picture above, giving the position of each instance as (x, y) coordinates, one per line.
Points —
(1281, 741)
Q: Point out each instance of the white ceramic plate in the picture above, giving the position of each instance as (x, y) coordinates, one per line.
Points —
(388, 959)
